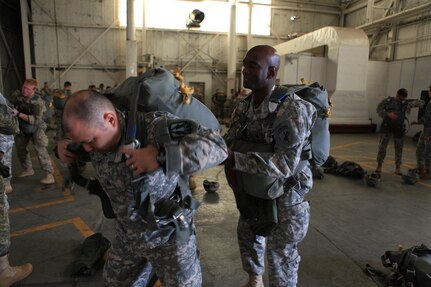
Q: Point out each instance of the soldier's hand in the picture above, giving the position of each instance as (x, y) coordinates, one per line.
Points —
(14, 112)
(393, 115)
(65, 155)
(141, 160)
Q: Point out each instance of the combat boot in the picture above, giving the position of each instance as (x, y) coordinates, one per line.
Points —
(48, 179)
(26, 172)
(397, 170)
(254, 281)
(7, 187)
(9, 275)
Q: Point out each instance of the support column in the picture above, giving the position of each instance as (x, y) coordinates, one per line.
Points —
(144, 32)
(250, 16)
(131, 45)
(231, 63)
(370, 11)
(26, 38)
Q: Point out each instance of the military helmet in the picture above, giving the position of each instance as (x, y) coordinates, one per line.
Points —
(372, 179)
(411, 177)
(211, 186)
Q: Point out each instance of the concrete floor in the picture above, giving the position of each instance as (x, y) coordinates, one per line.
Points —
(351, 223)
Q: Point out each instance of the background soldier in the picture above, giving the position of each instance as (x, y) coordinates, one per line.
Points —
(45, 94)
(218, 99)
(29, 109)
(90, 119)
(268, 140)
(423, 149)
(67, 88)
(393, 111)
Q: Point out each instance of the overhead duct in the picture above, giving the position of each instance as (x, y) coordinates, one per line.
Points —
(346, 69)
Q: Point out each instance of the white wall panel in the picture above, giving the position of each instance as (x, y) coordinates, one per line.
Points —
(376, 88)
(291, 70)
(304, 68)
(318, 70)
(406, 49)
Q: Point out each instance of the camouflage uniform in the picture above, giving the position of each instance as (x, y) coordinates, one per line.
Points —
(46, 96)
(423, 149)
(391, 127)
(137, 250)
(6, 145)
(295, 119)
(4, 221)
(35, 108)
(219, 99)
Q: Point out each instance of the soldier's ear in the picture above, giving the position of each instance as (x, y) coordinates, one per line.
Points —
(272, 72)
(111, 119)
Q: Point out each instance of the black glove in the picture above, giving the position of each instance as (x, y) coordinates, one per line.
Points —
(94, 187)
(4, 170)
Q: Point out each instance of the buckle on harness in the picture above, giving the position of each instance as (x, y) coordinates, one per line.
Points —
(180, 218)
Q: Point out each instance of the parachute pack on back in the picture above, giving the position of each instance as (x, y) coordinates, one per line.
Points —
(159, 90)
(320, 136)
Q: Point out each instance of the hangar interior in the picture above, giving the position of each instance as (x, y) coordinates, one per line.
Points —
(362, 51)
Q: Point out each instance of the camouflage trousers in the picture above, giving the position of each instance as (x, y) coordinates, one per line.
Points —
(4, 221)
(423, 152)
(7, 145)
(383, 144)
(281, 245)
(40, 143)
(131, 263)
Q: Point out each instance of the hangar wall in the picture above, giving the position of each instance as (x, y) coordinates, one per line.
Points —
(81, 41)
(86, 34)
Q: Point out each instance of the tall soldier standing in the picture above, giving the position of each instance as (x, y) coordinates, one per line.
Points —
(267, 141)
(29, 108)
(151, 173)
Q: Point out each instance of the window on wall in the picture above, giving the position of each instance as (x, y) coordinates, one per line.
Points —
(172, 14)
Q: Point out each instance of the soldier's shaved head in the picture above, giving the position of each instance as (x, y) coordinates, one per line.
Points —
(86, 106)
(261, 64)
(267, 53)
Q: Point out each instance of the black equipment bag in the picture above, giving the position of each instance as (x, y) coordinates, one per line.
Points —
(409, 268)
(351, 169)
(412, 266)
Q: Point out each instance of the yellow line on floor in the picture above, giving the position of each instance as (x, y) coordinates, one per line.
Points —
(67, 198)
(79, 224)
(346, 145)
(424, 184)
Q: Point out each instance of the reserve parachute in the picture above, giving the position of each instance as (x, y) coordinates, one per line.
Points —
(318, 96)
